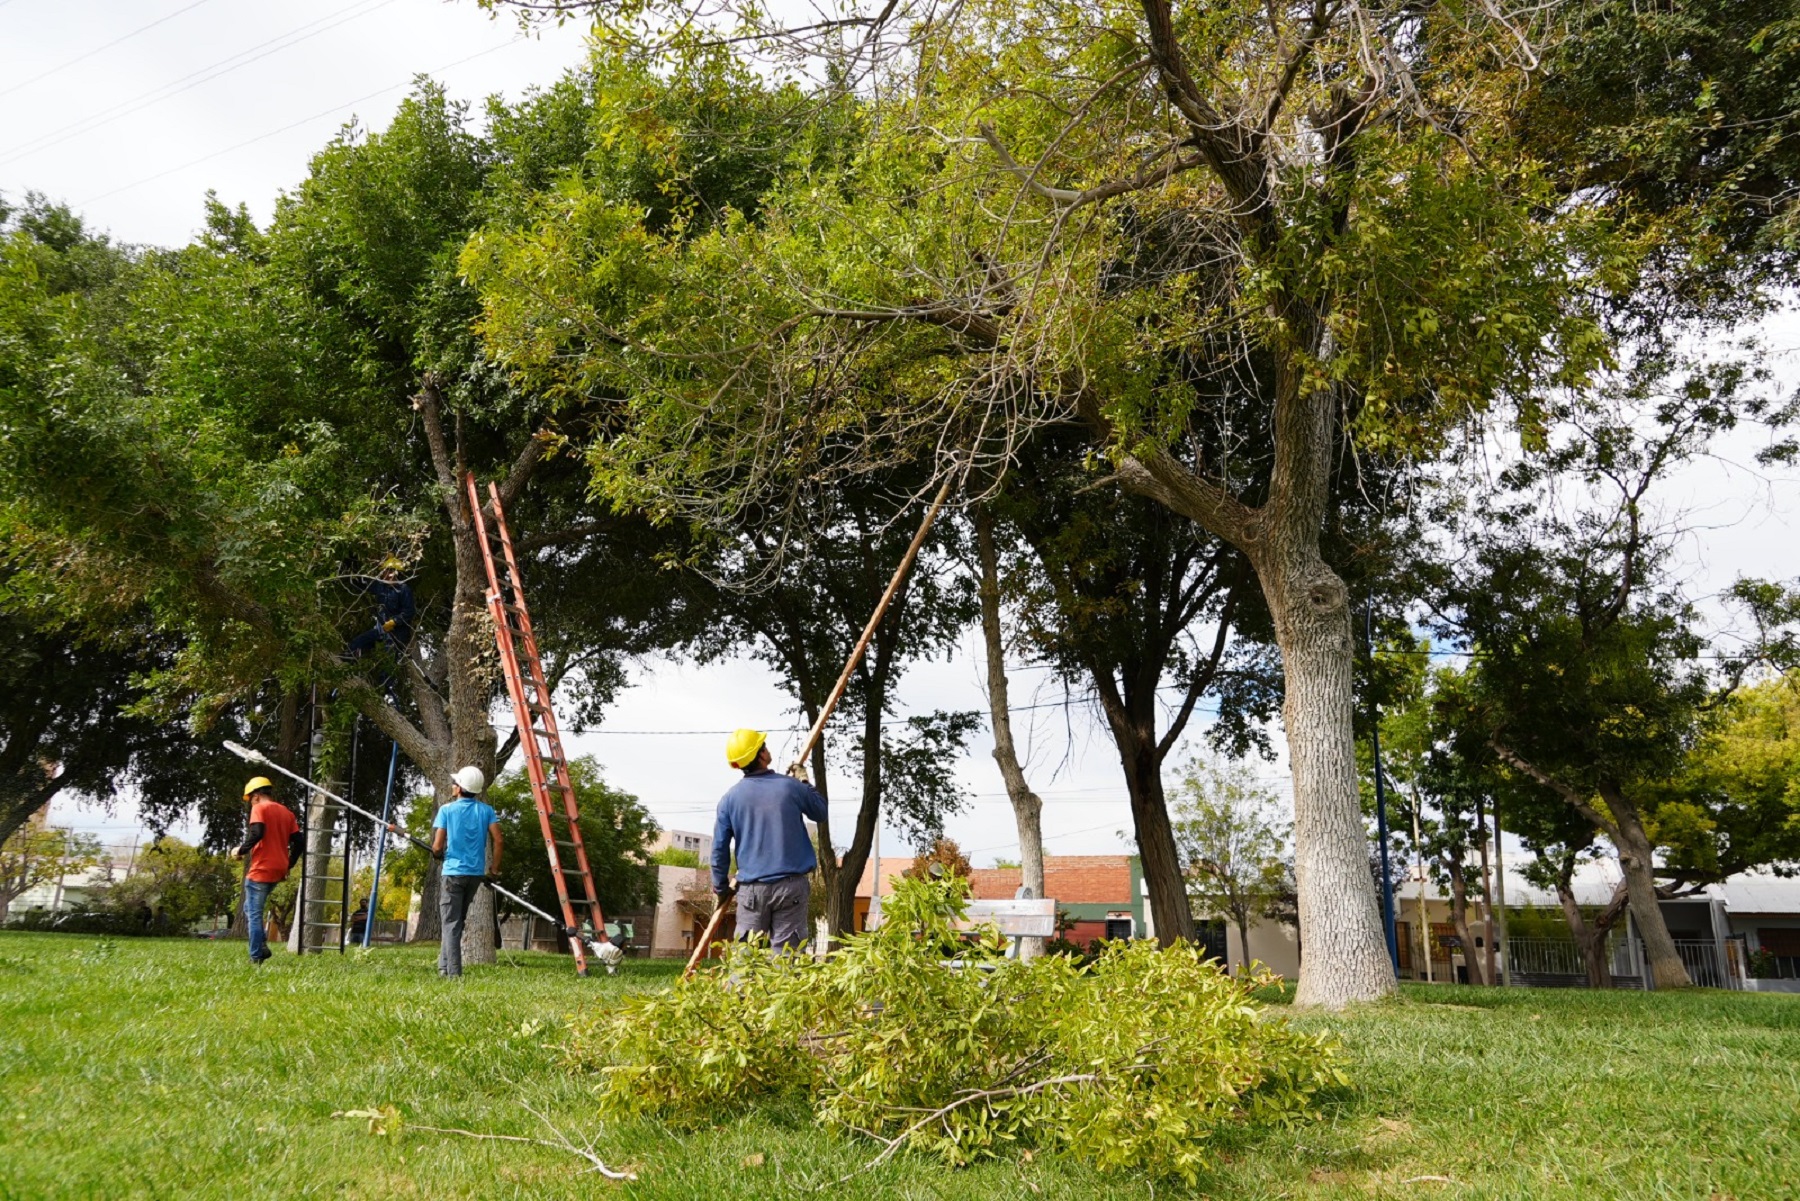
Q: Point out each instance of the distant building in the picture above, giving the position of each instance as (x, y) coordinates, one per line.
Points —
(682, 840)
(1104, 894)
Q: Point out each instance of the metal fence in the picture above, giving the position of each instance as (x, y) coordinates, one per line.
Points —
(1545, 957)
(1701, 958)
(1553, 960)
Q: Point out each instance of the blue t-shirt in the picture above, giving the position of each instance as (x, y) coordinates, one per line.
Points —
(764, 814)
(465, 823)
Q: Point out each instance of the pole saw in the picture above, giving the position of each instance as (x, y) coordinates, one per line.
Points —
(607, 952)
(837, 694)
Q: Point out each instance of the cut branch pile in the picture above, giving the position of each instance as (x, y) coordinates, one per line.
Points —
(920, 1039)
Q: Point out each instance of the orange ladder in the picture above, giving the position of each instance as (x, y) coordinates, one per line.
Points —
(545, 763)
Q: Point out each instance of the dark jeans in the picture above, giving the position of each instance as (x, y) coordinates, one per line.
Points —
(454, 899)
(256, 899)
(776, 908)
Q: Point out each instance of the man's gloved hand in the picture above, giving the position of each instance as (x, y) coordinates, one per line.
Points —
(387, 627)
(798, 771)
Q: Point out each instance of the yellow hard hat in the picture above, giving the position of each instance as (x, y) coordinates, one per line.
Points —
(391, 563)
(741, 747)
(257, 784)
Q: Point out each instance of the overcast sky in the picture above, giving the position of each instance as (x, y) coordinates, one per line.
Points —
(130, 110)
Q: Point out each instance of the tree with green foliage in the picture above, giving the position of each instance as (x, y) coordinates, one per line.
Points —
(177, 883)
(1234, 844)
(799, 605)
(1113, 591)
(1588, 679)
(1689, 114)
(615, 829)
(234, 432)
(1172, 226)
(37, 854)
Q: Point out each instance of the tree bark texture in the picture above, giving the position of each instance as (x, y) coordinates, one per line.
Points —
(1590, 937)
(1459, 916)
(876, 671)
(1340, 921)
(1027, 807)
(1164, 881)
(479, 941)
(1664, 962)
(1492, 968)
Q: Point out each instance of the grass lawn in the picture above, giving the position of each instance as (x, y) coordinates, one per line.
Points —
(160, 1068)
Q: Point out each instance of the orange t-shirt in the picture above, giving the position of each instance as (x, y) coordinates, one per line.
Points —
(268, 858)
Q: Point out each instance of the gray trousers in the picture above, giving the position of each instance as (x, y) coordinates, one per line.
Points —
(454, 898)
(777, 909)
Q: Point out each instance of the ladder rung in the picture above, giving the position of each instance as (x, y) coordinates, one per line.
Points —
(569, 871)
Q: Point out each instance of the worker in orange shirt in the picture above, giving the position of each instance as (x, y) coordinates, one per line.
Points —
(273, 844)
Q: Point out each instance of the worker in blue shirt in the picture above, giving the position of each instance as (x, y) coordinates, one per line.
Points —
(763, 817)
(466, 836)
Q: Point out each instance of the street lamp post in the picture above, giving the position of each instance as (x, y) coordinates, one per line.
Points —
(1381, 826)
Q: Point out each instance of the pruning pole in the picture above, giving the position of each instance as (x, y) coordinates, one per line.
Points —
(837, 692)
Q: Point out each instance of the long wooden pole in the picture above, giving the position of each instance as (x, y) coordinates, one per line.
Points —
(837, 691)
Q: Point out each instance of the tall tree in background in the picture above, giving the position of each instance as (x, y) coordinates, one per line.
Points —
(1136, 607)
(798, 604)
(1027, 806)
(220, 431)
(1589, 680)
(37, 854)
(1234, 844)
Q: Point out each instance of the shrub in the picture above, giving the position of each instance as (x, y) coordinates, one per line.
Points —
(1133, 1061)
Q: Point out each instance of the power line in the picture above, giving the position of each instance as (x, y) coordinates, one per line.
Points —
(80, 58)
(896, 721)
(206, 75)
(263, 137)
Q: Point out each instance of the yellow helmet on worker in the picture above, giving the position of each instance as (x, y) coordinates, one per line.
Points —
(742, 746)
(256, 785)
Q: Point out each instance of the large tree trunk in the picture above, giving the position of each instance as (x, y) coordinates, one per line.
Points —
(479, 941)
(1170, 910)
(1340, 921)
(1666, 968)
(1590, 938)
(1027, 807)
(840, 905)
(1492, 969)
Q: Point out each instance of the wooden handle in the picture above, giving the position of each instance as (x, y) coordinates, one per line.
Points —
(712, 928)
(868, 634)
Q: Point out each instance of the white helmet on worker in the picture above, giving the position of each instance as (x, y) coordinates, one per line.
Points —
(742, 746)
(470, 780)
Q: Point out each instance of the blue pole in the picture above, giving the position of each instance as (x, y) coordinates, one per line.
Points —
(381, 837)
(1381, 826)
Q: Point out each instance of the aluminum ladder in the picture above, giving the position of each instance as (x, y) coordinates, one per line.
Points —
(322, 921)
(545, 763)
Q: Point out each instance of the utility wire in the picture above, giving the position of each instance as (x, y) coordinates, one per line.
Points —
(894, 721)
(207, 74)
(263, 137)
(81, 58)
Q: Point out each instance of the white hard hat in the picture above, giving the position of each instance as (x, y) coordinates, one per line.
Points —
(470, 780)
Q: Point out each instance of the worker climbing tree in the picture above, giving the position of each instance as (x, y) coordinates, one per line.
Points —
(395, 611)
